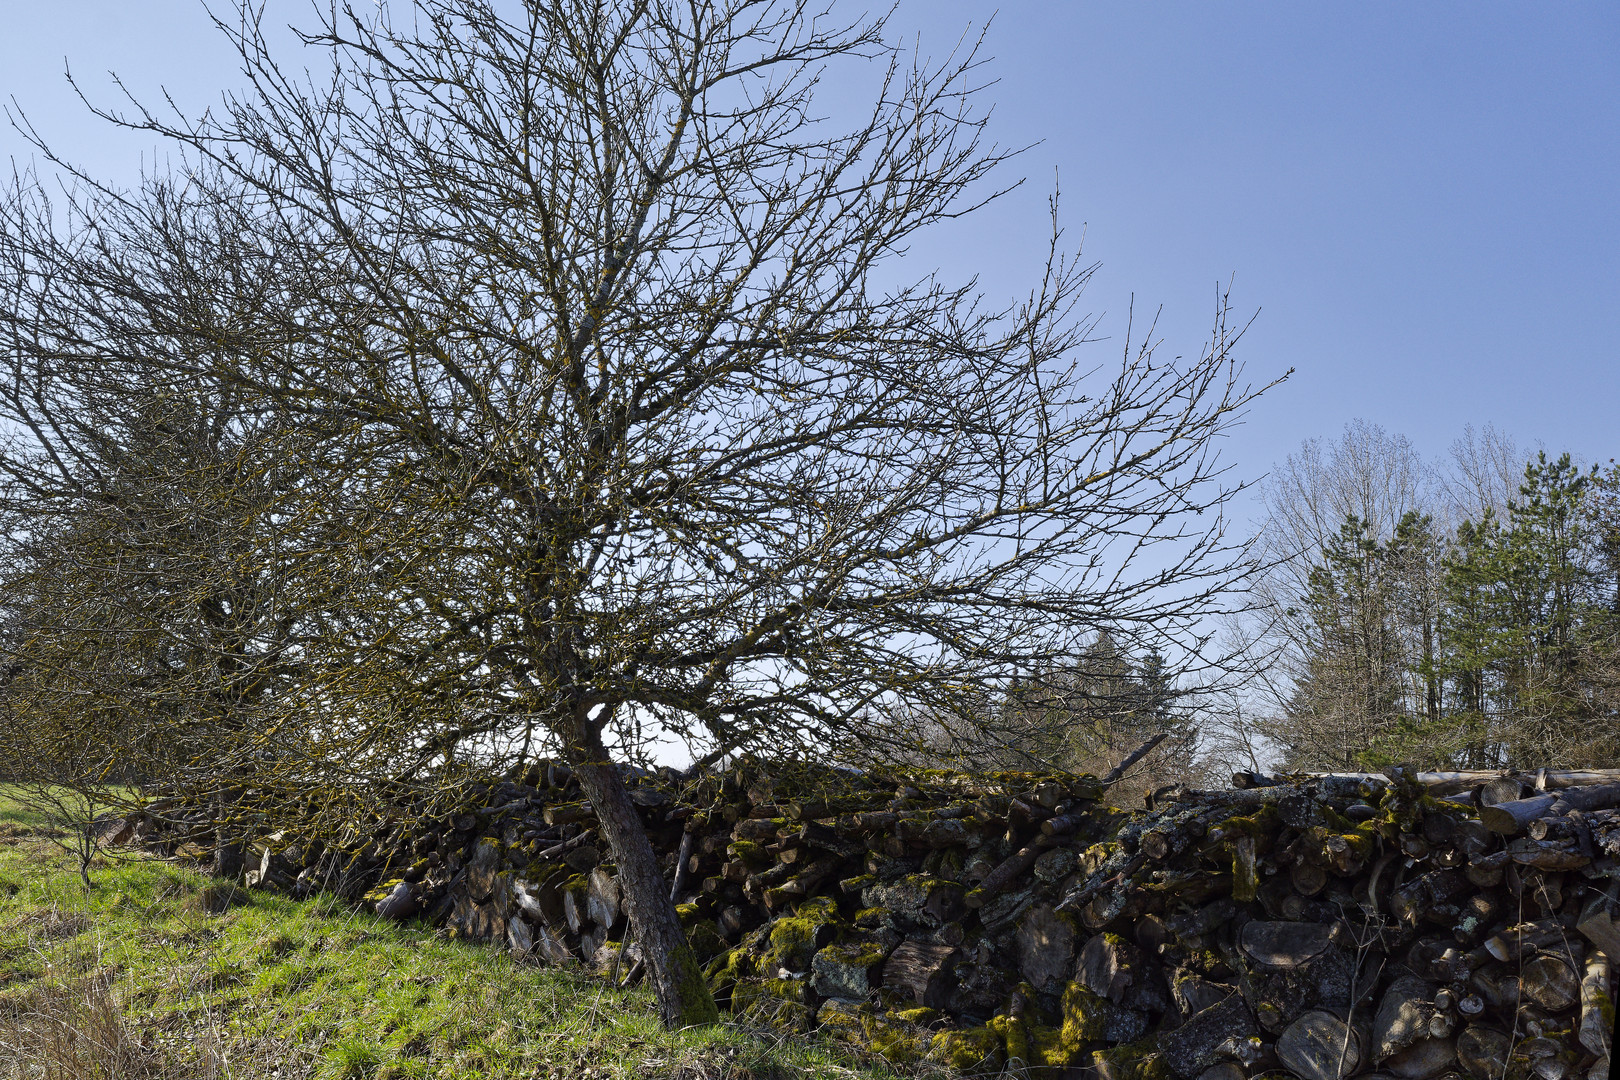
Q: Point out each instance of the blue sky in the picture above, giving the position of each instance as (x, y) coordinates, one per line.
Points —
(1422, 201)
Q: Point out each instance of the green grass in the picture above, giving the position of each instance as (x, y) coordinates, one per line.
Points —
(294, 989)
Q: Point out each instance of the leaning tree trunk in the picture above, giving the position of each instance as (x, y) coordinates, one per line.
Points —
(683, 995)
(230, 855)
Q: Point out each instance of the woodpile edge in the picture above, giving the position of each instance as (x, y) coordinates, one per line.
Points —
(1403, 927)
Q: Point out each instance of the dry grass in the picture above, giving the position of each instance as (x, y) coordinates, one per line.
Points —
(75, 1031)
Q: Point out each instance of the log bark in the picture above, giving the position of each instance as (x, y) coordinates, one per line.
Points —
(1064, 824)
(1195, 1045)
(683, 868)
(802, 884)
(1014, 866)
(1511, 817)
(557, 851)
(1133, 757)
(571, 813)
(1545, 855)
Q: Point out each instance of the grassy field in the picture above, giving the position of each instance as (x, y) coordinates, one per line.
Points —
(137, 979)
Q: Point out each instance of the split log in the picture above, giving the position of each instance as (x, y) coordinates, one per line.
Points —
(1114, 969)
(1194, 993)
(1423, 1059)
(1046, 948)
(923, 972)
(403, 902)
(1196, 1044)
(583, 858)
(482, 868)
(575, 911)
(1308, 879)
(519, 937)
(542, 901)
(591, 943)
(683, 868)
(1597, 925)
(602, 899)
(1597, 1006)
(1483, 1052)
(1486, 871)
(1403, 1016)
(549, 947)
(1320, 1046)
(1282, 946)
(731, 922)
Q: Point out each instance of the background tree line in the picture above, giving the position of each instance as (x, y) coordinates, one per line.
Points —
(1464, 616)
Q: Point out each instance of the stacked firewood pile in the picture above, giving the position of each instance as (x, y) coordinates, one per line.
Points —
(1324, 927)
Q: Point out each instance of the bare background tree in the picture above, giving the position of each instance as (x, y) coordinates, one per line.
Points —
(1455, 614)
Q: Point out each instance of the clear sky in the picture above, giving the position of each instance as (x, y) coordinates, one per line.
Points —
(1421, 200)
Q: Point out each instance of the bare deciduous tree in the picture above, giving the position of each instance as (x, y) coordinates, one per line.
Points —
(615, 430)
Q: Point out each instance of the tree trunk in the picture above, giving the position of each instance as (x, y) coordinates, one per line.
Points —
(230, 857)
(683, 997)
